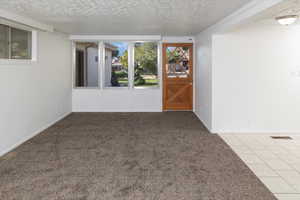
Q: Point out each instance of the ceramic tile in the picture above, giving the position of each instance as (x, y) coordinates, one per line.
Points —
(278, 164)
(251, 159)
(288, 196)
(262, 170)
(277, 185)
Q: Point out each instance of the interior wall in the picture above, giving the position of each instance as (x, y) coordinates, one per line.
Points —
(35, 95)
(203, 98)
(256, 80)
(117, 100)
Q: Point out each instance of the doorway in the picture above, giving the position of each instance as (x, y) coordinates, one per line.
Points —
(177, 76)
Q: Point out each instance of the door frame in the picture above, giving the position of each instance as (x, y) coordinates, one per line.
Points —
(178, 44)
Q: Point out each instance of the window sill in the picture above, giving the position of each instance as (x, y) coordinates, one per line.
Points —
(16, 62)
(147, 88)
(86, 88)
(116, 88)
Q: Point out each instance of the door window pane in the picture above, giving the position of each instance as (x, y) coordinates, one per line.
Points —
(20, 44)
(86, 72)
(145, 64)
(116, 64)
(4, 42)
(178, 61)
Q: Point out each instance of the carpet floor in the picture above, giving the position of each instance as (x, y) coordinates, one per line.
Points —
(127, 156)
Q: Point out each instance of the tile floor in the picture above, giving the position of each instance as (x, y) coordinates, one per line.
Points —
(276, 162)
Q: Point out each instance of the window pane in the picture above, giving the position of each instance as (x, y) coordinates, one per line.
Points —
(20, 44)
(4, 41)
(145, 64)
(116, 64)
(86, 72)
(178, 62)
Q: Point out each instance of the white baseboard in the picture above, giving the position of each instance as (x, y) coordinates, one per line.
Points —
(33, 134)
(119, 110)
(275, 133)
(203, 123)
(249, 132)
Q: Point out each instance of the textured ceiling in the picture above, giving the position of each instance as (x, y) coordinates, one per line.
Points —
(120, 17)
(287, 7)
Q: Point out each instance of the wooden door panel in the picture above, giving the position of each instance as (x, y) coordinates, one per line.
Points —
(178, 97)
(178, 76)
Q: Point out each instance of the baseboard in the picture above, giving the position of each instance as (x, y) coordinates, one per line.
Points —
(33, 134)
(203, 123)
(275, 133)
(120, 110)
(247, 132)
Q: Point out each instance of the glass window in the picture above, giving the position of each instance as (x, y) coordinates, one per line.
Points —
(145, 64)
(116, 64)
(119, 58)
(20, 44)
(15, 43)
(4, 41)
(86, 72)
(178, 61)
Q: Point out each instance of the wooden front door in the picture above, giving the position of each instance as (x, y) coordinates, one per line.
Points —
(177, 76)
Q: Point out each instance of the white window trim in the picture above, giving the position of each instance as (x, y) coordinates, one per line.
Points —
(101, 63)
(124, 38)
(34, 38)
(131, 65)
(101, 60)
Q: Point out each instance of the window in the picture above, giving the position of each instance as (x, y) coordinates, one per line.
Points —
(15, 43)
(178, 62)
(120, 65)
(145, 64)
(86, 67)
(116, 64)
(4, 42)
(20, 44)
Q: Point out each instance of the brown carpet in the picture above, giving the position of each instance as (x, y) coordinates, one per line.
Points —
(122, 156)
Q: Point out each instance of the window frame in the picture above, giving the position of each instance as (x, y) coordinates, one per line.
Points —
(101, 65)
(33, 45)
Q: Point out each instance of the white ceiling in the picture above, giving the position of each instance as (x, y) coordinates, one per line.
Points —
(122, 17)
(287, 7)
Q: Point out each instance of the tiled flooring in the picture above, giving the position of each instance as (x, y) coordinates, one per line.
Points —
(275, 161)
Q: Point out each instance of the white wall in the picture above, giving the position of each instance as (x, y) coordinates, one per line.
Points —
(117, 100)
(34, 96)
(203, 98)
(256, 80)
(205, 60)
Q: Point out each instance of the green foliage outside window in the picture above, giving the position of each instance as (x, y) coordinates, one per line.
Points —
(145, 65)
